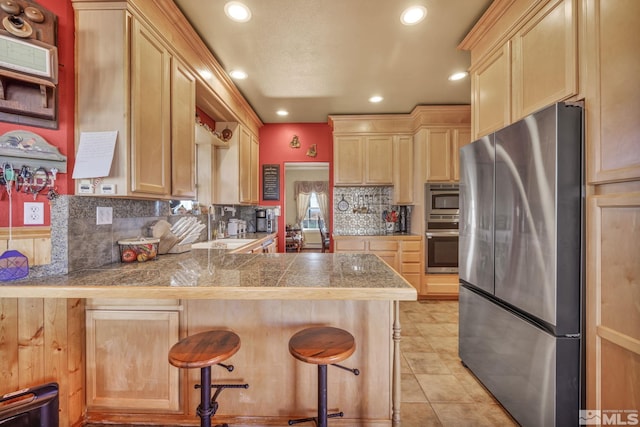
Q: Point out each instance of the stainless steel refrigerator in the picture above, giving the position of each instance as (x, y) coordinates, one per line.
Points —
(520, 265)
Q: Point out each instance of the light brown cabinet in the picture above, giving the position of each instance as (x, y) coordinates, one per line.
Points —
(236, 170)
(139, 88)
(411, 262)
(536, 65)
(441, 153)
(363, 160)
(126, 348)
(183, 147)
(403, 178)
(491, 108)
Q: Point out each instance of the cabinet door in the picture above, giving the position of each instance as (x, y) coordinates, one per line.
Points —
(245, 165)
(151, 113)
(403, 170)
(183, 147)
(491, 93)
(255, 170)
(612, 125)
(438, 155)
(461, 137)
(348, 160)
(127, 366)
(379, 160)
(545, 58)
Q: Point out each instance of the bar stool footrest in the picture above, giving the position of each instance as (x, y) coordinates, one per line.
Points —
(315, 419)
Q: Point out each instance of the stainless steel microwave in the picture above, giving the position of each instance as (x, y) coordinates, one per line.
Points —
(442, 199)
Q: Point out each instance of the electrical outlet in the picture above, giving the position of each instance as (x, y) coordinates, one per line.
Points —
(34, 213)
(104, 215)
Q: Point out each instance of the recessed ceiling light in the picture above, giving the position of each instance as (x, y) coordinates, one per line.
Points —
(238, 74)
(376, 99)
(458, 76)
(237, 11)
(412, 15)
(282, 112)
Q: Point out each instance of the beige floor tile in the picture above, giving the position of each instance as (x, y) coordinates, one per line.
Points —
(411, 390)
(414, 344)
(430, 330)
(426, 363)
(443, 388)
(444, 344)
(418, 415)
(476, 415)
(475, 389)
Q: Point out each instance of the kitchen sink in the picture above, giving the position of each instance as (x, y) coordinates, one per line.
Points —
(223, 244)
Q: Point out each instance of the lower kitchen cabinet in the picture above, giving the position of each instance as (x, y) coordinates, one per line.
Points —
(127, 343)
(411, 264)
(403, 253)
(439, 286)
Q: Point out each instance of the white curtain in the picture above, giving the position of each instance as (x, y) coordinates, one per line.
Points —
(302, 191)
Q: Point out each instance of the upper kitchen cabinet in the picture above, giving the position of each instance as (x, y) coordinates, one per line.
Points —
(363, 160)
(129, 81)
(183, 149)
(403, 170)
(141, 70)
(492, 108)
(442, 153)
(518, 69)
(545, 59)
(236, 170)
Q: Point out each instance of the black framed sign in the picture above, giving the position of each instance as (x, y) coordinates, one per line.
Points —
(270, 182)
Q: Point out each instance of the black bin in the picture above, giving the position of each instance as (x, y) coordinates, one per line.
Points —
(30, 407)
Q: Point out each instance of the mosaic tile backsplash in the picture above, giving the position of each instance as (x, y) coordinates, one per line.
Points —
(364, 210)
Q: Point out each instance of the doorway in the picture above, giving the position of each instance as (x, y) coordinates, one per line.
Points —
(307, 204)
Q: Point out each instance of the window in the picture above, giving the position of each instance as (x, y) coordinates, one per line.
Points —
(312, 219)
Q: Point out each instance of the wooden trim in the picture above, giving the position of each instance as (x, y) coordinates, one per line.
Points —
(492, 15)
(18, 233)
(624, 341)
(431, 116)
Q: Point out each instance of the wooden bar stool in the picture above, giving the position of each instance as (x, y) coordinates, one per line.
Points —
(202, 351)
(322, 345)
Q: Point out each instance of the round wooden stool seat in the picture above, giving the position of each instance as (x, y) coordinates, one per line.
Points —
(322, 345)
(204, 349)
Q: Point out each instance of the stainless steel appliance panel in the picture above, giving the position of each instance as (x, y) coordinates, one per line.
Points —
(538, 216)
(442, 199)
(476, 223)
(442, 252)
(534, 375)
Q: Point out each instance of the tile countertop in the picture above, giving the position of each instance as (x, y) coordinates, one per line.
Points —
(218, 274)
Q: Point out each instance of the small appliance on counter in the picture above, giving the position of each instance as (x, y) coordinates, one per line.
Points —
(270, 221)
(403, 220)
(261, 220)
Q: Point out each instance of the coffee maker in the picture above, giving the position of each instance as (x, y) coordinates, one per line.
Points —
(261, 220)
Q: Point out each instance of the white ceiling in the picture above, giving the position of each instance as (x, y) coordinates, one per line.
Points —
(320, 57)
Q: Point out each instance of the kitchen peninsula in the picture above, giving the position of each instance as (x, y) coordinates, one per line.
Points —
(134, 312)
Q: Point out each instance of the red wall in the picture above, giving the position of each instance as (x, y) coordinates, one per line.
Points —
(63, 137)
(275, 150)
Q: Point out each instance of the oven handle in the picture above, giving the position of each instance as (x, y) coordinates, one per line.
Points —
(431, 234)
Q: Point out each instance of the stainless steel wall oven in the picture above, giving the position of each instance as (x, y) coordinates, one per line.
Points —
(441, 255)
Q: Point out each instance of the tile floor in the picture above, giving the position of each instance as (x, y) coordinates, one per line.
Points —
(436, 389)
